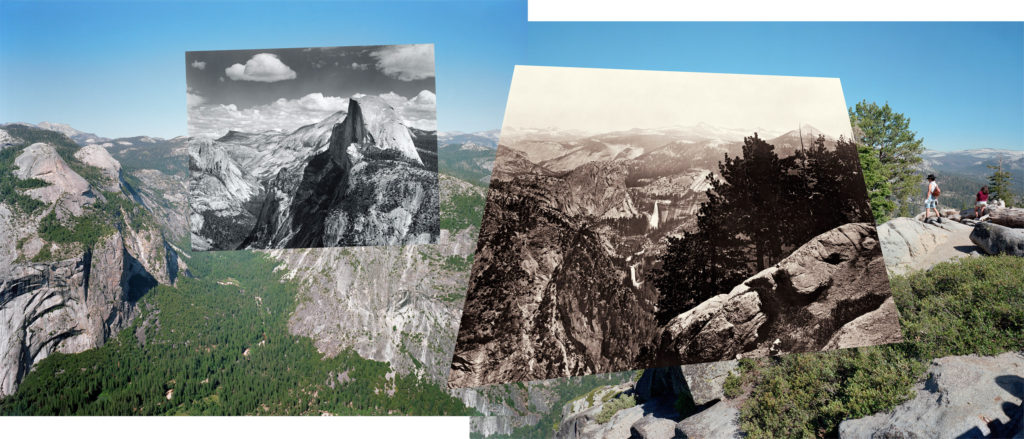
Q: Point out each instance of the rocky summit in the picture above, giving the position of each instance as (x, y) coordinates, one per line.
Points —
(357, 177)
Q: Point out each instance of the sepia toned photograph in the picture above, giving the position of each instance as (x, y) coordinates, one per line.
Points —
(312, 147)
(642, 219)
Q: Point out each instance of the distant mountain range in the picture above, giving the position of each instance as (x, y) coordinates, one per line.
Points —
(358, 177)
(487, 138)
(470, 155)
(973, 161)
(962, 173)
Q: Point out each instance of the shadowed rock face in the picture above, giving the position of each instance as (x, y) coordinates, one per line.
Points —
(660, 382)
(797, 305)
(325, 182)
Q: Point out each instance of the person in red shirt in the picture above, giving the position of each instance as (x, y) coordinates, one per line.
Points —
(982, 203)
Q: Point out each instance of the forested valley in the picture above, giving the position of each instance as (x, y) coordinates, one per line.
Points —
(218, 344)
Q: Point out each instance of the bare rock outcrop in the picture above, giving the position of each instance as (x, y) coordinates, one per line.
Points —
(653, 427)
(372, 124)
(96, 155)
(996, 239)
(873, 328)
(718, 421)
(965, 396)
(8, 238)
(705, 380)
(798, 305)
(41, 161)
(148, 247)
(6, 139)
(910, 245)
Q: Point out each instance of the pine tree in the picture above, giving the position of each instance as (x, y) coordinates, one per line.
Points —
(999, 184)
(897, 147)
(879, 190)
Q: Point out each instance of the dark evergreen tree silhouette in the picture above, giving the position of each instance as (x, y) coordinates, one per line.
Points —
(758, 211)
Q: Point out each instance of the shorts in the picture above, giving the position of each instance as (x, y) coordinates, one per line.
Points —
(982, 204)
(931, 203)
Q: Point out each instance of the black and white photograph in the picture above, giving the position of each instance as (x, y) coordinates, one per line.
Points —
(642, 219)
(312, 147)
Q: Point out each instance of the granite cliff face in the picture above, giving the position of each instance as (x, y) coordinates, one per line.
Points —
(354, 178)
(395, 304)
(402, 305)
(63, 296)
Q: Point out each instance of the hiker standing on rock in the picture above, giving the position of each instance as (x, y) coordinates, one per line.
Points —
(931, 199)
(982, 204)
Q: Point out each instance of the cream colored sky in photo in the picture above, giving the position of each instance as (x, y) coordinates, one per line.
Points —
(605, 100)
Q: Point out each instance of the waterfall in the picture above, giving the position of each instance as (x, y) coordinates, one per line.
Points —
(632, 275)
(653, 222)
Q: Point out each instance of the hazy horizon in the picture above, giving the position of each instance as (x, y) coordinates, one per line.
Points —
(610, 100)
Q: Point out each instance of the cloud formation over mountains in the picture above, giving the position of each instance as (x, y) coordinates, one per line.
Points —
(289, 114)
(262, 67)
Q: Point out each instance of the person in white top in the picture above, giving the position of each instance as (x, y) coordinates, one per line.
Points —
(931, 198)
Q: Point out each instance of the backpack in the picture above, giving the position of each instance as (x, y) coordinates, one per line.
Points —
(936, 192)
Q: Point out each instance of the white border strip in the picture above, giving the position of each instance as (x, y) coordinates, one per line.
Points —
(775, 10)
(174, 427)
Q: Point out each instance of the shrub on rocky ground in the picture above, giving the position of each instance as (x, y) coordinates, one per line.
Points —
(975, 305)
(614, 406)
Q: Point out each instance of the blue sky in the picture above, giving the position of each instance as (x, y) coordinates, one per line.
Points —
(117, 69)
(961, 84)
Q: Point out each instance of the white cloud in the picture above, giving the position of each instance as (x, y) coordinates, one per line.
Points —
(199, 64)
(407, 63)
(262, 67)
(319, 102)
(418, 112)
(282, 114)
(194, 100)
(357, 66)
